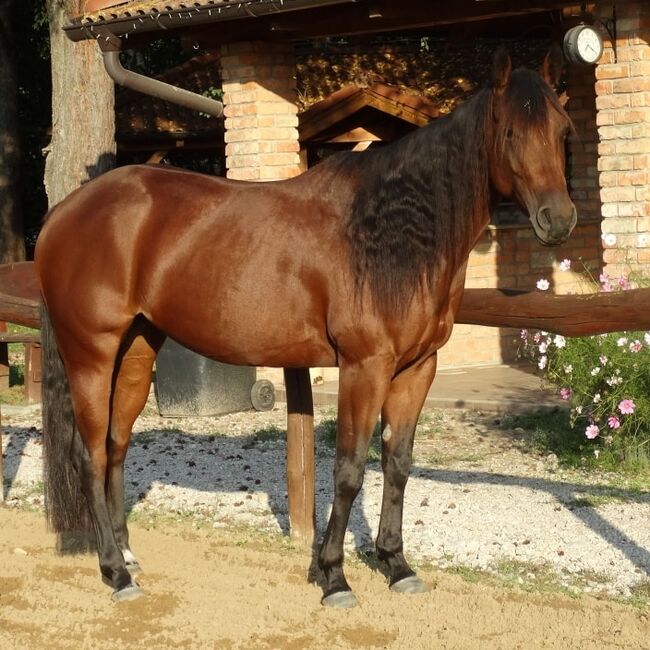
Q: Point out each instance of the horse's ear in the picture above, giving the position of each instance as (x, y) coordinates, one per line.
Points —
(551, 69)
(501, 69)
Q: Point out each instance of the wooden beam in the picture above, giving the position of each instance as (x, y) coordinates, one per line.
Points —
(354, 20)
(574, 315)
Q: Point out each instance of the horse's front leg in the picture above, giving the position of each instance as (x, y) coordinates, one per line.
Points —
(362, 390)
(400, 413)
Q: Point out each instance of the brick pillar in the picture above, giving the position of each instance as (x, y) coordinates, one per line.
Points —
(623, 103)
(583, 146)
(259, 107)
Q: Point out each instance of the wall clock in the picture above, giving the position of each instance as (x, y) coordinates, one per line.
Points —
(583, 44)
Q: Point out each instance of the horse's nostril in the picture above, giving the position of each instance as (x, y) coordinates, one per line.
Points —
(544, 218)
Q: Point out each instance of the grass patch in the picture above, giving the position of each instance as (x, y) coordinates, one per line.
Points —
(551, 431)
(270, 433)
(529, 577)
(326, 430)
(639, 595)
(431, 423)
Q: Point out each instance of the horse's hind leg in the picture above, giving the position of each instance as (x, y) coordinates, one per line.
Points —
(400, 413)
(89, 367)
(130, 392)
(362, 389)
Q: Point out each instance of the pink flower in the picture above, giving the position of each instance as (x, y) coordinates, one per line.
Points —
(565, 393)
(613, 422)
(606, 282)
(543, 284)
(592, 431)
(636, 346)
(626, 406)
(623, 283)
(523, 335)
(565, 265)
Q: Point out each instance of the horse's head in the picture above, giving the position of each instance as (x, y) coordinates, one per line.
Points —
(526, 152)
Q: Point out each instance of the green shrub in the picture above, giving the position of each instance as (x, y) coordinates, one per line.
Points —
(606, 380)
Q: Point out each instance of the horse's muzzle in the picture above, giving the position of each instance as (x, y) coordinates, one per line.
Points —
(552, 225)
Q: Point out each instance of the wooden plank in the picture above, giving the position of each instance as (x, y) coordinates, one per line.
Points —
(570, 315)
(300, 454)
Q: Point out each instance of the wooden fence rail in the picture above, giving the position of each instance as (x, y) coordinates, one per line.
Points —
(574, 315)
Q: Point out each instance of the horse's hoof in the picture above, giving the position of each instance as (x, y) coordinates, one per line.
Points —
(410, 585)
(340, 600)
(128, 593)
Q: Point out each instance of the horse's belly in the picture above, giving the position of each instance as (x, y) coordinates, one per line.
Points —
(249, 332)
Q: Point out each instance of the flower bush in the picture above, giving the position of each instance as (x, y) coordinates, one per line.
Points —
(605, 378)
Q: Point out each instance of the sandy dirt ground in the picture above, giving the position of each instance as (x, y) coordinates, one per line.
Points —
(217, 589)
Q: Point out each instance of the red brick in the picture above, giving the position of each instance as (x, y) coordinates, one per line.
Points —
(244, 174)
(630, 116)
(612, 101)
(608, 179)
(629, 85)
(605, 118)
(612, 71)
(632, 178)
(633, 53)
(275, 159)
(604, 87)
(614, 255)
(609, 163)
(640, 99)
(615, 194)
(639, 68)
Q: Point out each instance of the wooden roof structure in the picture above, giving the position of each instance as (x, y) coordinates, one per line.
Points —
(358, 114)
(214, 22)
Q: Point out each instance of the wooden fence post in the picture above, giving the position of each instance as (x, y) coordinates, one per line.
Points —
(300, 454)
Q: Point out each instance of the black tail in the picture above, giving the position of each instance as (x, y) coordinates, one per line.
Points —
(65, 505)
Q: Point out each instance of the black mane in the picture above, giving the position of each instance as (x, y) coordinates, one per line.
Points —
(419, 198)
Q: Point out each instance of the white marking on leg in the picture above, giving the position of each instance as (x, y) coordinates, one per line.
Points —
(387, 433)
(129, 558)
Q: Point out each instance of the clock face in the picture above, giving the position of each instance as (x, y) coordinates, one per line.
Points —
(589, 45)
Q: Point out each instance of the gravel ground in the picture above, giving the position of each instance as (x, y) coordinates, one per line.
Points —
(476, 498)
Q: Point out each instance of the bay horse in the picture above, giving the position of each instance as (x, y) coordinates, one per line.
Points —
(357, 263)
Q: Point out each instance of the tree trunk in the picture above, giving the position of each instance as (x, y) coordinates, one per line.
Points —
(83, 113)
(12, 243)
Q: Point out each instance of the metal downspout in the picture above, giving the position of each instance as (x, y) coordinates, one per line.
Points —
(111, 46)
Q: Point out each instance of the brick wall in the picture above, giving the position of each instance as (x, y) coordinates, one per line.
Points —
(623, 102)
(260, 111)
